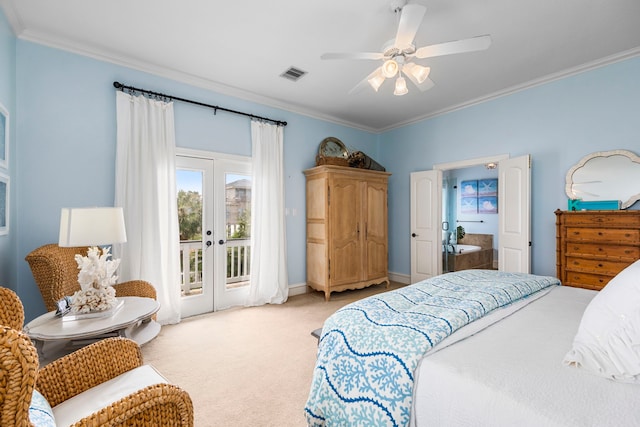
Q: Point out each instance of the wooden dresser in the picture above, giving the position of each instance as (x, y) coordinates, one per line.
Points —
(593, 246)
(347, 243)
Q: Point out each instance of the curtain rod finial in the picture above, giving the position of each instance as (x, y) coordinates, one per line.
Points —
(117, 85)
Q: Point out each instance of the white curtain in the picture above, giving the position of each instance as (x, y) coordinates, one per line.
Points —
(269, 283)
(146, 190)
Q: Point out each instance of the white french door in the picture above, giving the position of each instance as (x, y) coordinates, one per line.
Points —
(214, 212)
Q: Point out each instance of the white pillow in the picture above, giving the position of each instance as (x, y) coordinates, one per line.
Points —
(608, 339)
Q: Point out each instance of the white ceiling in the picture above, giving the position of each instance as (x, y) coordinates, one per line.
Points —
(240, 47)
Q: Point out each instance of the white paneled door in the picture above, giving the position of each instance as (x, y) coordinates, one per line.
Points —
(514, 208)
(426, 213)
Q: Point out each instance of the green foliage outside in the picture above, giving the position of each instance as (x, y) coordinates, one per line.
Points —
(190, 215)
(243, 231)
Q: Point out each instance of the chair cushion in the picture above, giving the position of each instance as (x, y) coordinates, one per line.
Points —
(86, 403)
(40, 412)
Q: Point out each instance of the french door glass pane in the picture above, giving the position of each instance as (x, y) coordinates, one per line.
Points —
(189, 186)
(238, 225)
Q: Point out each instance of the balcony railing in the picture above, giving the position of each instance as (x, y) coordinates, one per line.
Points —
(238, 264)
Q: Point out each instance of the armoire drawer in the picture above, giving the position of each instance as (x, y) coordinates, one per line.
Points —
(586, 280)
(609, 252)
(595, 266)
(604, 235)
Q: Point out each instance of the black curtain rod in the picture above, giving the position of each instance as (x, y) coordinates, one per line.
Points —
(122, 87)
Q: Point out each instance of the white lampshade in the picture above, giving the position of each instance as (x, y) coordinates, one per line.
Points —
(376, 81)
(418, 72)
(390, 68)
(91, 227)
(401, 87)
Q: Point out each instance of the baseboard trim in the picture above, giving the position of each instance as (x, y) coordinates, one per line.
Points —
(298, 289)
(400, 278)
(302, 288)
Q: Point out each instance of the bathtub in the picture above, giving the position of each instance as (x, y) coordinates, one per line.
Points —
(467, 256)
(467, 249)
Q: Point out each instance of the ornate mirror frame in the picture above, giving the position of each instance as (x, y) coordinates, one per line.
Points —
(606, 175)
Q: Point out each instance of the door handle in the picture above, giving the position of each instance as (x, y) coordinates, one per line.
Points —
(221, 242)
(414, 235)
(208, 243)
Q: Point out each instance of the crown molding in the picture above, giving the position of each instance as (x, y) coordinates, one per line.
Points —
(176, 75)
(13, 17)
(628, 54)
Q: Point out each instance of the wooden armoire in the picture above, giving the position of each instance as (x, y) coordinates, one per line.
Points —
(347, 242)
(593, 246)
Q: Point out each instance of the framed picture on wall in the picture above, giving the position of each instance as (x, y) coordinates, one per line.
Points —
(469, 188)
(488, 187)
(4, 137)
(469, 196)
(469, 205)
(488, 204)
(4, 204)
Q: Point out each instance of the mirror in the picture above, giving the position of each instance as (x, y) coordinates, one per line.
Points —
(606, 175)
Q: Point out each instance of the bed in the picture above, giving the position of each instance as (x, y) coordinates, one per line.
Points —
(542, 355)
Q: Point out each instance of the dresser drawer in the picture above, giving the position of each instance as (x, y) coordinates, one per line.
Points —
(586, 280)
(603, 235)
(622, 219)
(595, 266)
(609, 252)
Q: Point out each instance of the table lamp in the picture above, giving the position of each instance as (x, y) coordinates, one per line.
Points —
(91, 227)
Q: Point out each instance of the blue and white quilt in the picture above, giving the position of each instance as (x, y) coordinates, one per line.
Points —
(369, 349)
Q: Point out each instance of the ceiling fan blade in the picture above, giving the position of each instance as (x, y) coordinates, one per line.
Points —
(364, 83)
(458, 46)
(410, 20)
(357, 55)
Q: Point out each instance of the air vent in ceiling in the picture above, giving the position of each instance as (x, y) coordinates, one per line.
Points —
(293, 74)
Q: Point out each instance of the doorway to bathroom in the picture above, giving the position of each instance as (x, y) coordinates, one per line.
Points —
(470, 218)
(426, 215)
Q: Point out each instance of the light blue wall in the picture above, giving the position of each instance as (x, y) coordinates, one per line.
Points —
(557, 123)
(8, 100)
(66, 124)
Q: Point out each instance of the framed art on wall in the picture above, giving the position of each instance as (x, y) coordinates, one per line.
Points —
(488, 196)
(4, 204)
(4, 137)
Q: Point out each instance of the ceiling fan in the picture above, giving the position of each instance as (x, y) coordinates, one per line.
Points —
(398, 54)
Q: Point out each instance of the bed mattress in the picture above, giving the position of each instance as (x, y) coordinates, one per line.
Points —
(511, 373)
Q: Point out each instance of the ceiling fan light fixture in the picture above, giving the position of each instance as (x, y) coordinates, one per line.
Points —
(418, 72)
(401, 87)
(390, 68)
(376, 81)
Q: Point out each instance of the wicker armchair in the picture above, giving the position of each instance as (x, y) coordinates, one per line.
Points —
(77, 375)
(56, 273)
(11, 309)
